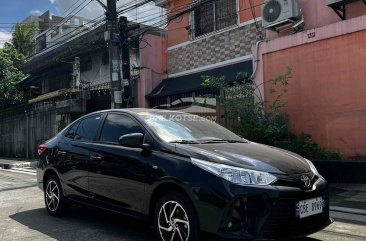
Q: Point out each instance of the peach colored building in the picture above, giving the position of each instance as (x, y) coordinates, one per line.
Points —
(326, 96)
(211, 39)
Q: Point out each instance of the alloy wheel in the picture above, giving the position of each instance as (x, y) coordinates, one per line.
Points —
(52, 196)
(173, 222)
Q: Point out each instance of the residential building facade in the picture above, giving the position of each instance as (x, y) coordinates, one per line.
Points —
(323, 45)
(325, 95)
(208, 40)
(53, 29)
(61, 90)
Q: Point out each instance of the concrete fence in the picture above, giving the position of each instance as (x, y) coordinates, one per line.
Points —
(24, 128)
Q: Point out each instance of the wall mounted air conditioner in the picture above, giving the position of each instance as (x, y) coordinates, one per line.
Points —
(281, 14)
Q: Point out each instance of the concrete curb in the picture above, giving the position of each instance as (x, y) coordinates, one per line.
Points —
(349, 217)
(348, 210)
(6, 165)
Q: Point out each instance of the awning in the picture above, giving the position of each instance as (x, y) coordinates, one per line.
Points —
(31, 80)
(193, 82)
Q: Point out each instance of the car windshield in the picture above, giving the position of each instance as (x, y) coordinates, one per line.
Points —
(175, 127)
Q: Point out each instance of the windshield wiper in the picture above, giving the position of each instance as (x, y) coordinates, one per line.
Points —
(185, 142)
(221, 141)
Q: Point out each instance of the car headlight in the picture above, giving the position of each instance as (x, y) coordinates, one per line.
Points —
(236, 175)
(312, 167)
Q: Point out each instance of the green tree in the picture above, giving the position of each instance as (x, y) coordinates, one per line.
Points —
(10, 75)
(23, 38)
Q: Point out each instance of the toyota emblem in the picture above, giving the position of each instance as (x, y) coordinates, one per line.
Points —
(306, 180)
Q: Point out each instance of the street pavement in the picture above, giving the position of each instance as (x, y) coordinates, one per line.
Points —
(23, 217)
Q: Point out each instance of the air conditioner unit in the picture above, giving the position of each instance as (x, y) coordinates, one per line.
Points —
(280, 14)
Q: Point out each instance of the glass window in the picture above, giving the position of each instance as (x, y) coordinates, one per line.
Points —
(204, 19)
(71, 132)
(87, 128)
(174, 126)
(213, 16)
(225, 15)
(117, 125)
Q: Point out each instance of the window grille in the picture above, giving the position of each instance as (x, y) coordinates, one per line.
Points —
(213, 16)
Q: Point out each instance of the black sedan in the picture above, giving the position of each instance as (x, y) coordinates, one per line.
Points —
(185, 174)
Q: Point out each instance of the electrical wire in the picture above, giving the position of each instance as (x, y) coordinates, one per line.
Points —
(95, 23)
(158, 25)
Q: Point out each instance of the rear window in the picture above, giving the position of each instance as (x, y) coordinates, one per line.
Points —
(87, 128)
(72, 131)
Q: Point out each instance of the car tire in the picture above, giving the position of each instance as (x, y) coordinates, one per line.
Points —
(53, 197)
(174, 215)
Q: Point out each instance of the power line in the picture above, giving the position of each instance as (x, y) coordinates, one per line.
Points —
(166, 22)
(72, 37)
(154, 26)
(93, 20)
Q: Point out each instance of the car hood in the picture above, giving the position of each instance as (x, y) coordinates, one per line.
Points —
(250, 155)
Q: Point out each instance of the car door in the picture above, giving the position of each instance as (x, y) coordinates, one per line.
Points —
(71, 172)
(118, 174)
(76, 176)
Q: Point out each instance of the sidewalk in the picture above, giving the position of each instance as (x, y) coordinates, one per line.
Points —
(348, 201)
(348, 195)
(9, 163)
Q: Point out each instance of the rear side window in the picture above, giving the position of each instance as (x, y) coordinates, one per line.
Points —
(72, 131)
(117, 125)
(87, 128)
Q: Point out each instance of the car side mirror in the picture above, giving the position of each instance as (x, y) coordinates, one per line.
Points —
(134, 140)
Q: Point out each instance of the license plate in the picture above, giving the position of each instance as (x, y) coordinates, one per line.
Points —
(310, 207)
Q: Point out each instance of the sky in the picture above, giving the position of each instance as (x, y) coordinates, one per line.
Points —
(13, 11)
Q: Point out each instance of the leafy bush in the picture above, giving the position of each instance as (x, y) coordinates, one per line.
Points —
(10, 74)
(243, 103)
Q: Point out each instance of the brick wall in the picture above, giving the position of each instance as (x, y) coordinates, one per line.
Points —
(217, 48)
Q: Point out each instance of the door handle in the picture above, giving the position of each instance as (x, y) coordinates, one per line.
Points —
(96, 157)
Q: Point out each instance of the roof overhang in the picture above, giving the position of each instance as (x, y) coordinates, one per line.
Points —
(87, 42)
(193, 82)
(339, 6)
(30, 80)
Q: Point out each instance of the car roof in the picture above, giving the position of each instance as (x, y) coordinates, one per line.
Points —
(138, 110)
(133, 111)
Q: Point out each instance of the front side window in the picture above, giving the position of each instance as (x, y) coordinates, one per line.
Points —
(88, 128)
(214, 16)
(117, 125)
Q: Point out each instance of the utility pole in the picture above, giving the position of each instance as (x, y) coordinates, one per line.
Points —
(126, 68)
(112, 36)
(128, 94)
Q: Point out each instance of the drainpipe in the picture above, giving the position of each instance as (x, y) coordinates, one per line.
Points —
(27, 134)
(256, 60)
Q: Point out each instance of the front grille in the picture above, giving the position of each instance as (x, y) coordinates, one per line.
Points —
(295, 180)
(282, 221)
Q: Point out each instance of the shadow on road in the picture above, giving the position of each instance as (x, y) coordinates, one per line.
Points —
(85, 224)
(307, 239)
(89, 224)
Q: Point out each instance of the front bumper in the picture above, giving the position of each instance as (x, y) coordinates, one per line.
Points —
(265, 213)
